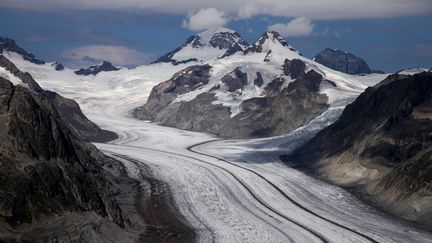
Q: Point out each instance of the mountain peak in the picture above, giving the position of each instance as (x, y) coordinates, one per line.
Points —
(209, 44)
(269, 41)
(343, 61)
(103, 67)
(9, 45)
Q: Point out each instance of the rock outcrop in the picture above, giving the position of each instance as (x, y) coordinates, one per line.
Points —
(381, 147)
(343, 62)
(93, 70)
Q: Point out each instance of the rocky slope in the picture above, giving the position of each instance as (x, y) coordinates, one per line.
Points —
(93, 70)
(45, 168)
(265, 90)
(381, 147)
(68, 110)
(343, 62)
(279, 111)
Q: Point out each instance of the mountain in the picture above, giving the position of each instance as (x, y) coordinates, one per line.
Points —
(343, 62)
(269, 89)
(48, 173)
(210, 44)
(68, 110)
(93, 70)
(268, 42)
(380, 147)
(9, 45)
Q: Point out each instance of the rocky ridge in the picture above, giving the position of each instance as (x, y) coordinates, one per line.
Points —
(380, 147)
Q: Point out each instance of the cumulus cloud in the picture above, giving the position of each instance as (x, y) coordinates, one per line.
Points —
(295, 28)
(205, 19)
(93, 54)
(312, 9)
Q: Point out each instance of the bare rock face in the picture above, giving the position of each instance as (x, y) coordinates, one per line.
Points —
(279, 111)
(381, 146)
(343, 62)
(45, 168)
(68, 110)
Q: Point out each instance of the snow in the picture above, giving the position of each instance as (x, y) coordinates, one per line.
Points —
(206, 51)
(9, 76)
(230, 190)
(347, 86)
(412, 71)
(208, 34)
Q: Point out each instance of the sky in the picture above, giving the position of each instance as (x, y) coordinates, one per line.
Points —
(389, 34)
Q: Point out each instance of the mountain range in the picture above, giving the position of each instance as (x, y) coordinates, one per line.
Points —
(216, 82)
(265, 89)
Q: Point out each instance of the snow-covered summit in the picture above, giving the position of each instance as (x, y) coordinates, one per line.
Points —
(210, 44)
(270, 41)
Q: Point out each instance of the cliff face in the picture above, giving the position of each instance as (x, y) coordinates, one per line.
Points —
(381, 147)
(45, 168)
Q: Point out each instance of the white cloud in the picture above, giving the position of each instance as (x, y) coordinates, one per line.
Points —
(205, 19)
(297, 27)
(311, 9)
(93, 54)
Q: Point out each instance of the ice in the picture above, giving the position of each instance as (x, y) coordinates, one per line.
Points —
(229, 190)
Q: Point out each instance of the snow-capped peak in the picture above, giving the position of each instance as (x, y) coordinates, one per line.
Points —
(270, 41)
(210, 44)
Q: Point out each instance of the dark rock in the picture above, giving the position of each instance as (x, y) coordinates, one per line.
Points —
(270, 35)
(45, 168)
(259, 80)
(164, 93)
(342, 61)
(234, 48)
(10, 45)
(294, 68)
(225, 40)
(381, 146)
(310, 81)
(237, 82)
(268, 56)
(274, 87)
(58, 66)
(93, 70)
(231, 41)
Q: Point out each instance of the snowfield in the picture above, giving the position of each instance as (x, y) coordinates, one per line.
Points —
(229, 190)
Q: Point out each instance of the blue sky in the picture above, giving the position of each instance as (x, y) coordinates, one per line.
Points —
(388, 43)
